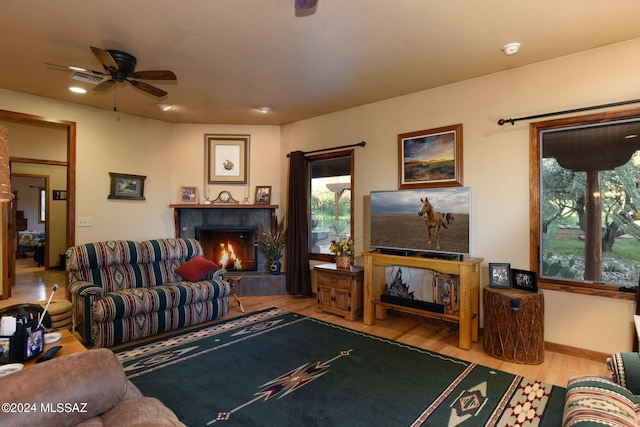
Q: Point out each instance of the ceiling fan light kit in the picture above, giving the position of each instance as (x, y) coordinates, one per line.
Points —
(119, 67)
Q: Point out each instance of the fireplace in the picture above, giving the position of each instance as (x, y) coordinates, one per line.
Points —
(232, 248)
(196, 221)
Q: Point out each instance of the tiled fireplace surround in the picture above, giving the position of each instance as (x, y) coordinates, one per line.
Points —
(260, 282)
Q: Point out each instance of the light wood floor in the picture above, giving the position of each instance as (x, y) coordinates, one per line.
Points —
(33, 284)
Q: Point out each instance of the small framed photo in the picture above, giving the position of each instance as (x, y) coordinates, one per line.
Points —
(524, 280)
(189, 195)
(430, 158)
(59, 195)
(263, 195)
(499, 275)
(125, 186)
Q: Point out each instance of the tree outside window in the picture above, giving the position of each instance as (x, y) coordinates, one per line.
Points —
(330, 183)
(585, 192)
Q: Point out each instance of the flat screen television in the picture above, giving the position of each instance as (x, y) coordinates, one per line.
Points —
(401, 221)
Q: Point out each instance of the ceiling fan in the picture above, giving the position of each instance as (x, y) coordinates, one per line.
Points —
(120, 66)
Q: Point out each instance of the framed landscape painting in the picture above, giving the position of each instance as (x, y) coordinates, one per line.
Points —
(430, 158)
(125, 186)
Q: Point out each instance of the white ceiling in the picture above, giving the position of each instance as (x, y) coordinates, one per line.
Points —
(231, 56)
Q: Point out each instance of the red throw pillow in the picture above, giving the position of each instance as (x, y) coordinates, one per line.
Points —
(196, 268)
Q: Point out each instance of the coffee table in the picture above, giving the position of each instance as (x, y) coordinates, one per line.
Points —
(69, 343)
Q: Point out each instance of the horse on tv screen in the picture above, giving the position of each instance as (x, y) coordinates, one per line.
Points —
(427, 220)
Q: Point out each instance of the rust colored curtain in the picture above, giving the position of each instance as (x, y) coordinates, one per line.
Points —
(298, 280)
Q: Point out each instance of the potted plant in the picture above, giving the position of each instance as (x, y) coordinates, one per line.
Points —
(343, 250)
(273, 243)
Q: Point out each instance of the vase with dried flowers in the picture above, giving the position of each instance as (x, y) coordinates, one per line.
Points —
(343, 250)
(273, 244)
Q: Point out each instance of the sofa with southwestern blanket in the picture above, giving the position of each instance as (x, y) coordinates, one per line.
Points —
(598, 400)
(124, 290)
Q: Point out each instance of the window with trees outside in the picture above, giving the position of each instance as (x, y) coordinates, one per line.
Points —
(330, 183)
(585, 203)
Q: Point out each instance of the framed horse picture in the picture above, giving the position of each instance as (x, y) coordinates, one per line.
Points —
(430, 158)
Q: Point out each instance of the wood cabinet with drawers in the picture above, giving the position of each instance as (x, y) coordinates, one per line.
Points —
(340, 290)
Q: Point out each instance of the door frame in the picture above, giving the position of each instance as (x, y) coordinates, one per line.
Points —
(46, 221)
(8, 273)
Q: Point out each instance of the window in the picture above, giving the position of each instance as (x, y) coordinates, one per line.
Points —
(585, 202)
(331, 213)
(42, 205)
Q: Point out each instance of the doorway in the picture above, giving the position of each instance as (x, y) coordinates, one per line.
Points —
(11, 118)
(31, 220)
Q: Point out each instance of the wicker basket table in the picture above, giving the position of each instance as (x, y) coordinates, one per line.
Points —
(514, 325)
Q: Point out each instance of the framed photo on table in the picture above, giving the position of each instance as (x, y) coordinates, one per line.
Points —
(227, 158)
(189, 195)
(499, 275)
(524, 280)
(263, 195)
(430, 158)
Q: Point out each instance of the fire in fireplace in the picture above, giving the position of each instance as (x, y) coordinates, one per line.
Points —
(232, 248)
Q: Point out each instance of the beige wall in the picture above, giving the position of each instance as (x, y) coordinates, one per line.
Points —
(496, 163)
(265, 160)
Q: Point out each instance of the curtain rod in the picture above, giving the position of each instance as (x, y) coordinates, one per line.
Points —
(575, 110)
(359, 144)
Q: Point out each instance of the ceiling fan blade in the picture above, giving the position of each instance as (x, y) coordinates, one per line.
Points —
(154, 75)
(305, 4)
(100, 87)
(105, 58)
(74, 68)
(148, 88)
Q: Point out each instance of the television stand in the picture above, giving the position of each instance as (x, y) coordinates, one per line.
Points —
(468, 271)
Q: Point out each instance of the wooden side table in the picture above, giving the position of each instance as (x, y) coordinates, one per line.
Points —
(514, 325)
(340, 290)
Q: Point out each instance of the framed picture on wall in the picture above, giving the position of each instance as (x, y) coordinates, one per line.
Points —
(59, 195)
(127, 187)
(430, 158)
(227, 158)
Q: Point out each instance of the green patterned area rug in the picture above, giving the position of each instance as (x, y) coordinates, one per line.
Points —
(276, 368)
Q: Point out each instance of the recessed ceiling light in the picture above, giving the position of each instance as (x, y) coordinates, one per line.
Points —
(76, 89)
(264, 109)
(511, 48)
(164, 107)
(631, 136)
